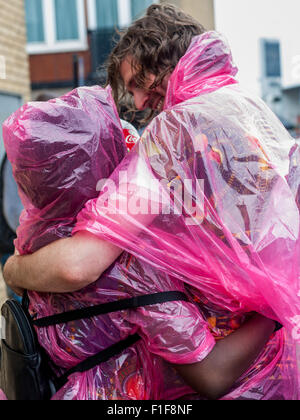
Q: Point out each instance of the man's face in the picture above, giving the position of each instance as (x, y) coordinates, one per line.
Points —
(143, 96)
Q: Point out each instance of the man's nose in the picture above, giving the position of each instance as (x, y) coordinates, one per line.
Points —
(140, 99)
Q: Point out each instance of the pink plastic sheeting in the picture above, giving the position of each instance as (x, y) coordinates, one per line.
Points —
(2, 396)
(208, 194)
(56, 149)
(60, 150)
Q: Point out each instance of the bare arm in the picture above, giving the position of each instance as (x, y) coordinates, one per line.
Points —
(63, 266)
(230, 358)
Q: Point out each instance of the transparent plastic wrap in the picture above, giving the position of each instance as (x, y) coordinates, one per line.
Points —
(205, 194)
(59, 151)
(52, 147)
(208, 194)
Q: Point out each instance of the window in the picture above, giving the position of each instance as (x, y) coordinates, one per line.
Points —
(66, 20)
(104, 14)
(34, 21)
(55, 26)
(138, 7)
(271, 58)
(107, 13)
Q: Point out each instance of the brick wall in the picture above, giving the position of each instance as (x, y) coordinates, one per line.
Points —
(14, 67)
(55, 68)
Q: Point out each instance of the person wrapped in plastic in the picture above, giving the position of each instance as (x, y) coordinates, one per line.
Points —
(59, 151)
(221, 238)
(226, 220)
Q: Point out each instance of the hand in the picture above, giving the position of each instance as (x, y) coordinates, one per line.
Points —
(9, 279)
(17, 290)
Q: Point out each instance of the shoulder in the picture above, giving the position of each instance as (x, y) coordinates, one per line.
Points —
(171, 118)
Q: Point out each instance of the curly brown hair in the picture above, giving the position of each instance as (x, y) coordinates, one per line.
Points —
(156, 42)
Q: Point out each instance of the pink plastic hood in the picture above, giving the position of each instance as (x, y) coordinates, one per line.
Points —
(206, 66)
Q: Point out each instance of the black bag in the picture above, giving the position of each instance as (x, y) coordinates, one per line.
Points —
(26, 372)
(7, 235)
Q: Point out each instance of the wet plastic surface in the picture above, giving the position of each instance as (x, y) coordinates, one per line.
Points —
(208, 194)
(232, 243)
(60, 150)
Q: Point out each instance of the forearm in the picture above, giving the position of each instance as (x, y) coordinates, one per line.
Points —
(66, 265)
(234, 355)
(34, 272)
(229, 359)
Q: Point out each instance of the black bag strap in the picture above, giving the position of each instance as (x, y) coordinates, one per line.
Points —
(102, 356)
(3, 161)
(105, 308)
(25, 301)
(2, 167)
(7, 235)
(117, 348)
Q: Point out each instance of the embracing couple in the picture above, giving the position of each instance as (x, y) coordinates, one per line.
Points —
(232, 252)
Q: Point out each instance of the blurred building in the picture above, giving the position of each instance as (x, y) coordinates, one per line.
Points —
(67, 40)
(14, 69)
(265, 40)
(283, 99)
(202, 10)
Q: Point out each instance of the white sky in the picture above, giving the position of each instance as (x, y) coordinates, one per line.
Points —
(244, 22)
